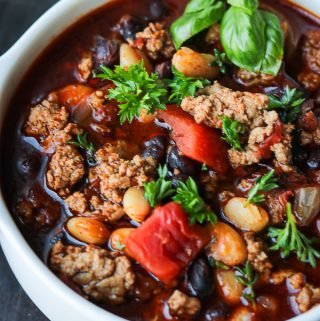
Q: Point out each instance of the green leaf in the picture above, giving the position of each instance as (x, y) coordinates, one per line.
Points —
(290, 240)
(231, 130)
(220, 60)
(198, 15)
(182, 86)
(289, 105)
(160, 189)
(190, 200)
(249, 6)
(136, 90)
(83, 143)
(264, 183)
(274, 44)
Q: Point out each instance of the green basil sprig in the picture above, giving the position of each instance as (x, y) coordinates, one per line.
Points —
(198, 15)
(252, 39)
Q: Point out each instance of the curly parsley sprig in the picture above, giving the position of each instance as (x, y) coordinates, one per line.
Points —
(136, 90)
(159, 189)
(288, 105)
(221, 60)
(190, 200)
(290, 240)
(182, 86)
(264, 183)
(246, 276)
(83, 143)
(231, 130)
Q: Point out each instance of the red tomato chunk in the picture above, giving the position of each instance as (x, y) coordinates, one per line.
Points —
(166, 242)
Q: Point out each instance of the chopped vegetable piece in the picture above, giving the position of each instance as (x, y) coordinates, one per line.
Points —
(136, 90)
(165, 243)
(231, 130)
(159, 189)
(264, 183)
(190, 200)
(198, 142)
(291, 240)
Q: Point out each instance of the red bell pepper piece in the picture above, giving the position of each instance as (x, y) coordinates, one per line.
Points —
(199, 142)
(165, 243)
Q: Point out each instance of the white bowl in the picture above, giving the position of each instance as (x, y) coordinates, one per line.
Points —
(54, 298)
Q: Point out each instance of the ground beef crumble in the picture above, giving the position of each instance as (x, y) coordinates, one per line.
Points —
(155, 41)
(306, 295)
(65, 169)
(45, 118)
(77, 203)
(257, 255)
(102, 275)
(249, 109)
(183, 306)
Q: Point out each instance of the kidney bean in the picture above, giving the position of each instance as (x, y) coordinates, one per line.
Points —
(128, 26)
(106, 52)
(164, 70)
(178, 161)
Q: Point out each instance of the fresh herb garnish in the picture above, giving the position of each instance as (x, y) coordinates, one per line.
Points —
(290, 240)
(231, 130)
(136, 90)
(220, 60)
(182, 86)
(246, 276)
(160, 189)
(190, 200)
(264, 183)
(252, 39)
(204, 168)
(83, 143)
(198, 15)
(120, 246)
(218, 264)
(288, 105)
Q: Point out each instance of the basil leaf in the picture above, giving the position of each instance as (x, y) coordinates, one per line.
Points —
(274, 44)
(243, 38)
(199, 15)
(248, 5)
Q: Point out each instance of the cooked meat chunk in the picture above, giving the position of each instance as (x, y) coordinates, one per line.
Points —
(310, 128)
(257, 255)
(209, 181)
(183, 306)
(66, 168)
(309, 77)
(266, 133)
(307, 295)
(102, 275)
(116, 174)
(155, 41)
(216, 101)
(85, 67)
(249, 78)
(46, 118)
(77, 202)
(213, 35)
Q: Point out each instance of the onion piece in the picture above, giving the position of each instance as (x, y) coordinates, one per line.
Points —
(307, 204)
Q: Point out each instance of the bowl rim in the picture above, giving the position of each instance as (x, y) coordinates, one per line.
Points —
(9, 231)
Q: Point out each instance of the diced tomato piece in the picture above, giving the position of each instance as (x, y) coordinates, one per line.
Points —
(165, 243)
(195, 141)
(264, 150)
(72, 95)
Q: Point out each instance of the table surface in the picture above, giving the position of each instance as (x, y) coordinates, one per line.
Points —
(15, 17)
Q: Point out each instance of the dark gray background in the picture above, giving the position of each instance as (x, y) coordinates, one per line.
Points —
(15, 17)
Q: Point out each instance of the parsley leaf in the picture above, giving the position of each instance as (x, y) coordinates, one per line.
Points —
(204, 167)
(182, 86)
(264, 183)
(231, 130)
(160, 189)
(246, 276)
(190, 200)
(136, 90)
(218, 264)
(291, 240)
(88, 147)
(221, 60)
(288, 105)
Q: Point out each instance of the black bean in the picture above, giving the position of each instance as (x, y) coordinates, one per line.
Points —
(314, 159)
(216, 312)
(158, 9)
(178, 161)
(153, 151)
(106, 52)
(128, 26)
(178, 178)
(299, 156)
(159, 140)
(200, 277)
(164, 70)
(29, 165)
